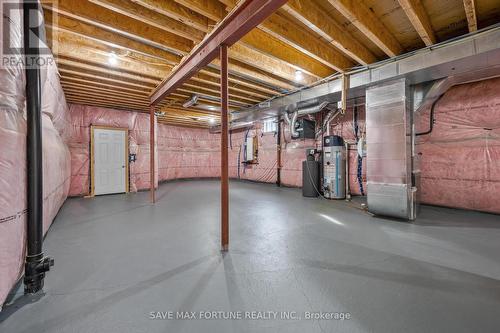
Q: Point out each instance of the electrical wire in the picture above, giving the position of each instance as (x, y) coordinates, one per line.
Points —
(360, 158)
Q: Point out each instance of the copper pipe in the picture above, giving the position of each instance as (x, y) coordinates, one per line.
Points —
(152, 153)
(224, 149)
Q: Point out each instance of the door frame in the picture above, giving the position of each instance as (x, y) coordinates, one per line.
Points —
(92, 156)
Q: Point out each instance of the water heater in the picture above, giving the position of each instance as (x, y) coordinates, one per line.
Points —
(334, 160)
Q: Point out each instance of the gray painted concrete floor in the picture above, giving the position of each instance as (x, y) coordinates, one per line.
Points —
(119, 258)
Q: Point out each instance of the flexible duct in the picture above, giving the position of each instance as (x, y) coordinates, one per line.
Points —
(302, 112)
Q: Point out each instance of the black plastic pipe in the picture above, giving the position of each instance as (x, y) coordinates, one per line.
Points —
(36, 264)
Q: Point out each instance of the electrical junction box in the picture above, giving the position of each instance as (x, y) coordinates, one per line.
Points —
(306, 129)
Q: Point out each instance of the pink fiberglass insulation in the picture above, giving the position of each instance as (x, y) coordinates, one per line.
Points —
(266, 169)
(185, 153)
(56, 165)
(460, 159)
(82, 118)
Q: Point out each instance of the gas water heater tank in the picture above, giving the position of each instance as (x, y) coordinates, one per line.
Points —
(334, 160)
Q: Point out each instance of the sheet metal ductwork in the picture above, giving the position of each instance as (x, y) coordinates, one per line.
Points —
(296, 113)
(389, 138)
(478, 51)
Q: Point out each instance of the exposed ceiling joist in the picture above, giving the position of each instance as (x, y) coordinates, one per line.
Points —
(324, 25)
(152, 18)
(238, 23)
(260, 46)
(366, 21)
(307, 43)
(470, 13)
(179, 13)
(130, 28)
(419, 19)
(210, 9)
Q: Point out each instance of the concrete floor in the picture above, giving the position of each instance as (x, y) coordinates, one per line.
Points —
(118, 259)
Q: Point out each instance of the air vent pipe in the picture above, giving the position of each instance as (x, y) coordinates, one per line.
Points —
(36, 263)
(302, 112)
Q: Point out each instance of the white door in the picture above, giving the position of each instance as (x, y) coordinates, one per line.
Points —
(110, 161)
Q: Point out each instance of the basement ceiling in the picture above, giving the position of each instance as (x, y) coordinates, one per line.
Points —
(113, 53)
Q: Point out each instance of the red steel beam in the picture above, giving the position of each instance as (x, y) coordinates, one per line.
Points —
(152, 153)
(237, 24)
(224, 149)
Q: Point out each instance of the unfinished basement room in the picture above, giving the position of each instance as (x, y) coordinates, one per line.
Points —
(257, 166)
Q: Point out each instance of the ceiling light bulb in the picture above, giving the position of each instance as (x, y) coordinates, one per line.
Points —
(299, 75)
(113, 59)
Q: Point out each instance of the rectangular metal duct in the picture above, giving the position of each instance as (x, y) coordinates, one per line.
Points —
(389, 139)
(472, 53)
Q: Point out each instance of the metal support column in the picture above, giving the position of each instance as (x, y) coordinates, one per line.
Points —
(36, 264)
(224, 150)
(152, 153)
(278, 159)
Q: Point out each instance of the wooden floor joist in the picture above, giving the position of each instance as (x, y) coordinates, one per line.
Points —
(303, 42)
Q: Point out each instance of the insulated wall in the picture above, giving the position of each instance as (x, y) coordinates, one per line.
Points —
(82, 118)
(460, 159)
(56, 158)
(185, 153)
(266, 169)
(345, 126)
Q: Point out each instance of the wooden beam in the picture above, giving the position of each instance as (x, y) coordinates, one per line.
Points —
(224, 152)
(243, 19)
(179, 13)
(109, 20)
(277, 43)
(94, 86)
(287, 31)
(258, 53)
(103, 97)
(210, 9)
(76, 76)
(309, 13)
(153, 18)
(101, 75)
(106, 104)
(419, 19)
(264, 43)
(66, 37)
(470, 13)
(282, 73)
(78, 56)
(98, 35)
(366, 21)
(279, 62)
(89, 91)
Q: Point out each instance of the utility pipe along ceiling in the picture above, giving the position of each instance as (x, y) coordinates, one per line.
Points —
(114, 53)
